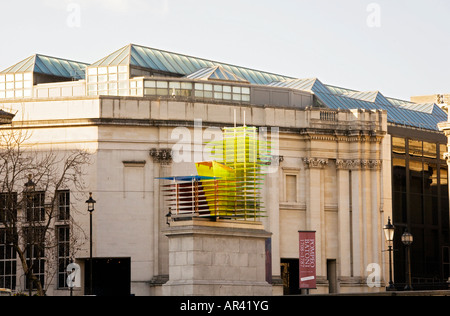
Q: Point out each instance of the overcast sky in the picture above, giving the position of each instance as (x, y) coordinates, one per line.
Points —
(399, 47)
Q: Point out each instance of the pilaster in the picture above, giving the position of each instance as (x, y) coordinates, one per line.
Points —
(315, 206)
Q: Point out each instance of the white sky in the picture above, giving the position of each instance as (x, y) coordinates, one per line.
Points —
(406, 53)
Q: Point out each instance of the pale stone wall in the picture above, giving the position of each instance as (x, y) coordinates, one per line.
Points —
(340, 160)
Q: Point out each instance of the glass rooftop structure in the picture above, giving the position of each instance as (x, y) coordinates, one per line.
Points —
(215, 73)
(51, 66)
(403, 113)
(163, 62)
(17, 81)
(135, 70)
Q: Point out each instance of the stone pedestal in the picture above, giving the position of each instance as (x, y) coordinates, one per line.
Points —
(217, 258)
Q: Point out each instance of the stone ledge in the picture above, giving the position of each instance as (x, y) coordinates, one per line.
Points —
(217, 288)
(200, 226)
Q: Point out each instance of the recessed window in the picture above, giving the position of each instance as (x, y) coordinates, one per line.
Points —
(291, 188)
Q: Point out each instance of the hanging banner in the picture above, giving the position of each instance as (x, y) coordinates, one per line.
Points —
(307, 263)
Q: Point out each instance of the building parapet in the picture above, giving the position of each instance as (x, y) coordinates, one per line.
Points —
(154, 112)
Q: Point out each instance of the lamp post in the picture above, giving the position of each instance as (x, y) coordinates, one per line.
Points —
(407, 240)
(91, 206)
(30, 187)
(389, 230)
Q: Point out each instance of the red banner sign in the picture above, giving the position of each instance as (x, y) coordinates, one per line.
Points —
(307, 262)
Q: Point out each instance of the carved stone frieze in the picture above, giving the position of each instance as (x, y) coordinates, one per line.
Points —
(356, 164)
(162, 156)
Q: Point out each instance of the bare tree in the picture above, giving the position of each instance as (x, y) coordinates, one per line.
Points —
(33, 196)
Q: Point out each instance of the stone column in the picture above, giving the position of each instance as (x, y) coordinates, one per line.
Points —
(376, 220)
(272, 222)
(217, 258)
(343, 180)
(162, 162)
(315, 209)
(356, 220)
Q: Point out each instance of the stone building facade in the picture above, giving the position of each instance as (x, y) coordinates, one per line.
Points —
(331, 173)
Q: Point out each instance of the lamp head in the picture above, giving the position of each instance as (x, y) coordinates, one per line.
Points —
(407, 238)
(389, 230)
(91, 203)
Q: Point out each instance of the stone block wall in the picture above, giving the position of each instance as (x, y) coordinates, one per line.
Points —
(217, 258)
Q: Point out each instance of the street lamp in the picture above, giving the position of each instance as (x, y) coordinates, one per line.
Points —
(91, 206)
(30, 187)
(407, 240)
(389, 230)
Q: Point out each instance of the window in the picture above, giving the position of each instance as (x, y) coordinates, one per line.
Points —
(16, 85)
(429, 150)
(222, 92)
(35, 206)
(63, 205)
(63, 254)
(291, 188)
(108, 80)
(35, 253)
(8, 207)
(420, 202)
(415, 148)
(198, 90)
(445, 261)
(398, 146)
(8, 263)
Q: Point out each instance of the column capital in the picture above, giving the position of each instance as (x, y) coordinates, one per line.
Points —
(371, 164)
(356, 164)
(315, 163)
(348, 164)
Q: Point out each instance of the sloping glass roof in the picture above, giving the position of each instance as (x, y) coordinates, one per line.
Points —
(215, 73)
(426, 108)
(399, 112)
(401, 115)
(49, 66)
(179, 64)
(311, 84)
(370, 96)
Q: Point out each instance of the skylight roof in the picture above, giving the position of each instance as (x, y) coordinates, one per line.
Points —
(49, 66)
(310, 84)
(371, 96)
(183, 65)
(215, 73)
(399, 111)
(414, 116)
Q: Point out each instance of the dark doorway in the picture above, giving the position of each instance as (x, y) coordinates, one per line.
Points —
(290, 276)
(332, 276)
(111, 276)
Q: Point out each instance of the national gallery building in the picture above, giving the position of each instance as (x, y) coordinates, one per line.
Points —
(343, 163)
